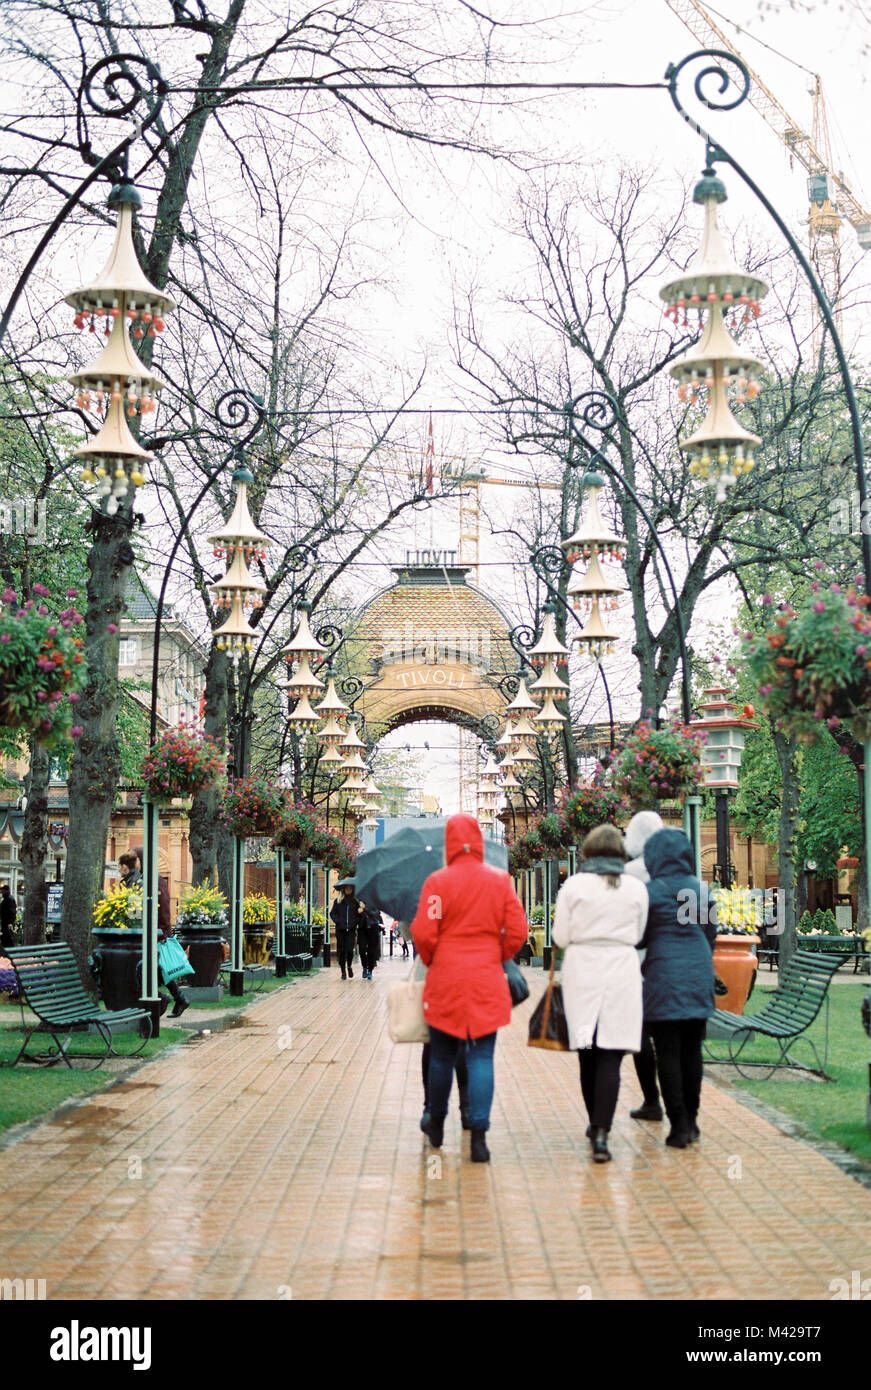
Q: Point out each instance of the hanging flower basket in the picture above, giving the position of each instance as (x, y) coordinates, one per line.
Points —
(333, 850)
(657, 764)
(590, 805)
(253, 806)
(182, 763)
(553, 832)
(813, 668)
(295, 828)
(525, 852)
(42, 669)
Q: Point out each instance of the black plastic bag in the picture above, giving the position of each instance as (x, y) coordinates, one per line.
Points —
(516, 982)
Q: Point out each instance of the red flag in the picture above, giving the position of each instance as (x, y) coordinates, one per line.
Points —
(430, 458)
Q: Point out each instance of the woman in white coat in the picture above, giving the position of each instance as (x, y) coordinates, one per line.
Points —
(599, 920)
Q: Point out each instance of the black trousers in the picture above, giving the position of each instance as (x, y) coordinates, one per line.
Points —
(600, 1083)
(461, 1072)
(345, 949)
(678, 1044)
(645, 1068)
(369, 953)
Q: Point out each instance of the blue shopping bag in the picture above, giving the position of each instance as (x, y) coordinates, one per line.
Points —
(173, 961)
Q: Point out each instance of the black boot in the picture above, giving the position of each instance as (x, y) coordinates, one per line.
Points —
(599, 1141)
(480, 1153)
(433, 1129)
(678, 1138)
(647, 1111)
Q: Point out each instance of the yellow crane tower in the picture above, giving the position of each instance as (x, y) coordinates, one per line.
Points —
(831, 200)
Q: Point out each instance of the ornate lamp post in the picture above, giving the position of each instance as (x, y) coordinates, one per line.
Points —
(725, 730)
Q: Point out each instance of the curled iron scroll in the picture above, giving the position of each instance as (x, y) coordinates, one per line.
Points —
(522, 638)
(548, 561)
(721, 71)
(113, 88)
(598, 410)
(351, 688)
(235, 409)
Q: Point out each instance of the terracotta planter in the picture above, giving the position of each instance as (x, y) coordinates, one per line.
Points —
(257, 942)
(204, 944)
(734, 963)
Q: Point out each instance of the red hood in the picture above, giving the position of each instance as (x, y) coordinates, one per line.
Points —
(463, 837)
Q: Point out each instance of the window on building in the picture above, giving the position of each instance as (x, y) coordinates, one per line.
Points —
(128, 651)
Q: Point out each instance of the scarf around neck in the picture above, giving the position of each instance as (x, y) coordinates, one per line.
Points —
(602, 864)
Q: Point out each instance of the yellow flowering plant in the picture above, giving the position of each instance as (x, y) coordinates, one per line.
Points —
(257, 909)
(121, 907)
(739, 911)
(201, 906)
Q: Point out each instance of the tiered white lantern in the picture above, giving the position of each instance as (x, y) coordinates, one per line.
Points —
(595, 589)
(332, 709)
(117, 384)
(238, 591)
(303, 684)
(721, 449)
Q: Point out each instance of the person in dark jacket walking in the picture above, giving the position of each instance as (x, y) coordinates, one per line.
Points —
(369, 940)
(8, 913)
(347, 914)
(678, 978)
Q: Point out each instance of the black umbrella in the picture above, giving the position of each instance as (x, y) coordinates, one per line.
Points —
(390, 876)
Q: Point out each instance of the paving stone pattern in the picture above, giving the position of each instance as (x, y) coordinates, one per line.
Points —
(280, 1164)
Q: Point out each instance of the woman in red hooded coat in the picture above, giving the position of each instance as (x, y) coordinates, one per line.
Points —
(469, 920)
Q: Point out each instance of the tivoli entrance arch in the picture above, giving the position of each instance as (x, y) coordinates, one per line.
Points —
(431, 646)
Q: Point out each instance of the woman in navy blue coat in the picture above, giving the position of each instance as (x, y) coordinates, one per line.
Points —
(678, 978)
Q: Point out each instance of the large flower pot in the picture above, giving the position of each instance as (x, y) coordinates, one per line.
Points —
(120, 961)
(204, 943)
(734, 964)
(258, 938)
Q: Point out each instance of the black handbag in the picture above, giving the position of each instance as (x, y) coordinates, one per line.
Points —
(516, 982)
(548, 1026)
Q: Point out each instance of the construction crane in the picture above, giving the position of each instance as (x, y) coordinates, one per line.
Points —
(831, 200)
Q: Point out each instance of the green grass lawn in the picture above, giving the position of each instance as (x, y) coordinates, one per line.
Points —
(833, 1110)
(27, 1092)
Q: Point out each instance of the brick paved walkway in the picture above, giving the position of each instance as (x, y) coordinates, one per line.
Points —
(267, 1163)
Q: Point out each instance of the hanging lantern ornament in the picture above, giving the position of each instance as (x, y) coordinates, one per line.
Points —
(548, 647)
(118, 385)
(239, 537)
(593, 538)
(595, 584)
(303, 642)
(238, 590)
(718, 295)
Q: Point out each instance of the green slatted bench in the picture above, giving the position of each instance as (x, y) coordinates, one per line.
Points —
(801, 992)
(50, 984)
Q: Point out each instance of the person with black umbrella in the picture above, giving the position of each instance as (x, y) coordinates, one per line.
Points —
(347, 915)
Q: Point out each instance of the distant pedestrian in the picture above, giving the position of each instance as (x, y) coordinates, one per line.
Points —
(678, 978)
(369, 940)
(637, 833)
(469, 921)
(8, 914)
(599, 920)
(347, 914)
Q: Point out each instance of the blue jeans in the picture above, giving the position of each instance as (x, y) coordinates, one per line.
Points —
(479, 1061)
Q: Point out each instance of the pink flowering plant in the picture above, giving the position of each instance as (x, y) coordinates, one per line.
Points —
(253, 805)
(42, 668)
(334, 850)
(181, 763)
(813, 668)
(589, 805)
(662, 763)
(525, 851)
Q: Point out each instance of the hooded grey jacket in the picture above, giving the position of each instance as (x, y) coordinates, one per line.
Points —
(678, 968)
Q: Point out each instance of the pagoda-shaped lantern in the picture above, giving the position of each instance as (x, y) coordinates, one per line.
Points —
(303, 685)
(117, 384)
(238, 591)
(721, 449)
(332, 709)
(596, 589)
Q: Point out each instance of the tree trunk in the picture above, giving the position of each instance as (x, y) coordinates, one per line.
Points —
(96, 766)
(34, 846)
(857, 757)
(786, 841)
(206, 832)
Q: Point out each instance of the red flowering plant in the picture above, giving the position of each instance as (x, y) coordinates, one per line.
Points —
(525, 851)
(552, 831)
(661, 764)
(253, 805)
(588, 805)
(181, 763)
(334, 850)
(813, 668)
(42, 668)
(296, 826)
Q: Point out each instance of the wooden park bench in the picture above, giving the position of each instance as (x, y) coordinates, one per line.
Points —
(802, 991)
(50, 984)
